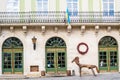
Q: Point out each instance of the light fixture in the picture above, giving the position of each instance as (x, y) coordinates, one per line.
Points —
(34, 42)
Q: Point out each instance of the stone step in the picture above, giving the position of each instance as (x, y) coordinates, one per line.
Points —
(12, 76)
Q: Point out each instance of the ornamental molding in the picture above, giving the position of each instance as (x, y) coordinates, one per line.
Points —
(56, 29)
(82, 29)
(109, 28)
(43, 29)
(24, 29)
(69, 28)
(97, 29)
(11, 28)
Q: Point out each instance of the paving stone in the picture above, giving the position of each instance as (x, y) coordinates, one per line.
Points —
(106, 76)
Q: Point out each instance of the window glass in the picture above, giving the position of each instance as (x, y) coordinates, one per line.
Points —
(111, 6)
(105, 7)
(111, 12)
(42, 5)
(67, 0)
(105, 0)
(105, 13)
(108, 7)
(72, 6)
(75, 0)
(12, 6)
(111, 0)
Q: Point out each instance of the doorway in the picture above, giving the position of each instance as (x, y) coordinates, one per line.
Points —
(55, 55)
(12, 56)
(108, 54)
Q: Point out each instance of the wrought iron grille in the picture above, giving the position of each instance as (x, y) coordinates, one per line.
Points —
(57, 17)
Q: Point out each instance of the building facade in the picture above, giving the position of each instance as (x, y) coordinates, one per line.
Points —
(46, 35)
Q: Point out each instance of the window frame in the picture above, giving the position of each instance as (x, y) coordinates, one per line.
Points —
(42, 8)
(70, 6)
(107, 11)
(12, 7)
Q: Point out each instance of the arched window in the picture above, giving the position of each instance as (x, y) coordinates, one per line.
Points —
(108, 54)
(12, 56)
(107, 41)
(55, 49)
(12, 42)
(55, 42)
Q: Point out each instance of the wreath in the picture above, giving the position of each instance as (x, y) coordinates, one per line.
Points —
(82, 52)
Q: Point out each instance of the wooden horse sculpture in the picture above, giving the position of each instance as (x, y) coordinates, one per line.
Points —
(76, 60)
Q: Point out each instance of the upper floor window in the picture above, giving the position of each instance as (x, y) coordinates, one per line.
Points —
(42, 5)
(13, 5)
(72, 6)
(108, 7)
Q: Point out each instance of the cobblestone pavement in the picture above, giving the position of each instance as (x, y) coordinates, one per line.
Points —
(106, 76)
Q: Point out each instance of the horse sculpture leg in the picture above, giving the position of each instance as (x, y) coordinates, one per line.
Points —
(80, 71)
(93, 72)
(97, 69)
(94, 66)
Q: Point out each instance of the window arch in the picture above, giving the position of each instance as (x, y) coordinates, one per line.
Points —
(12, 42)
(55, 42)
(107, 41)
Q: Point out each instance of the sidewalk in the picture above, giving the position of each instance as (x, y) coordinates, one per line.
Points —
(102, 76)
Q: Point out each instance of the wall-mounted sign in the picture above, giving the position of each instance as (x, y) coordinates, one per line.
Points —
(82, 48)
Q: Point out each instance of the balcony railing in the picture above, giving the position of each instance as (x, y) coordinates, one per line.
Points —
(57, 17)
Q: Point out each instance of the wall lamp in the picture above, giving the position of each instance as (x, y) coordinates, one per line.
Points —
(34, 42)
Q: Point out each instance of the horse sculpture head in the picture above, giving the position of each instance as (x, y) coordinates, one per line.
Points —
(76, 60)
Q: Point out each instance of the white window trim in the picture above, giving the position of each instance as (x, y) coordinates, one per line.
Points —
(42, 3)
(72, 7)
(108, 9)
(10, 8)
